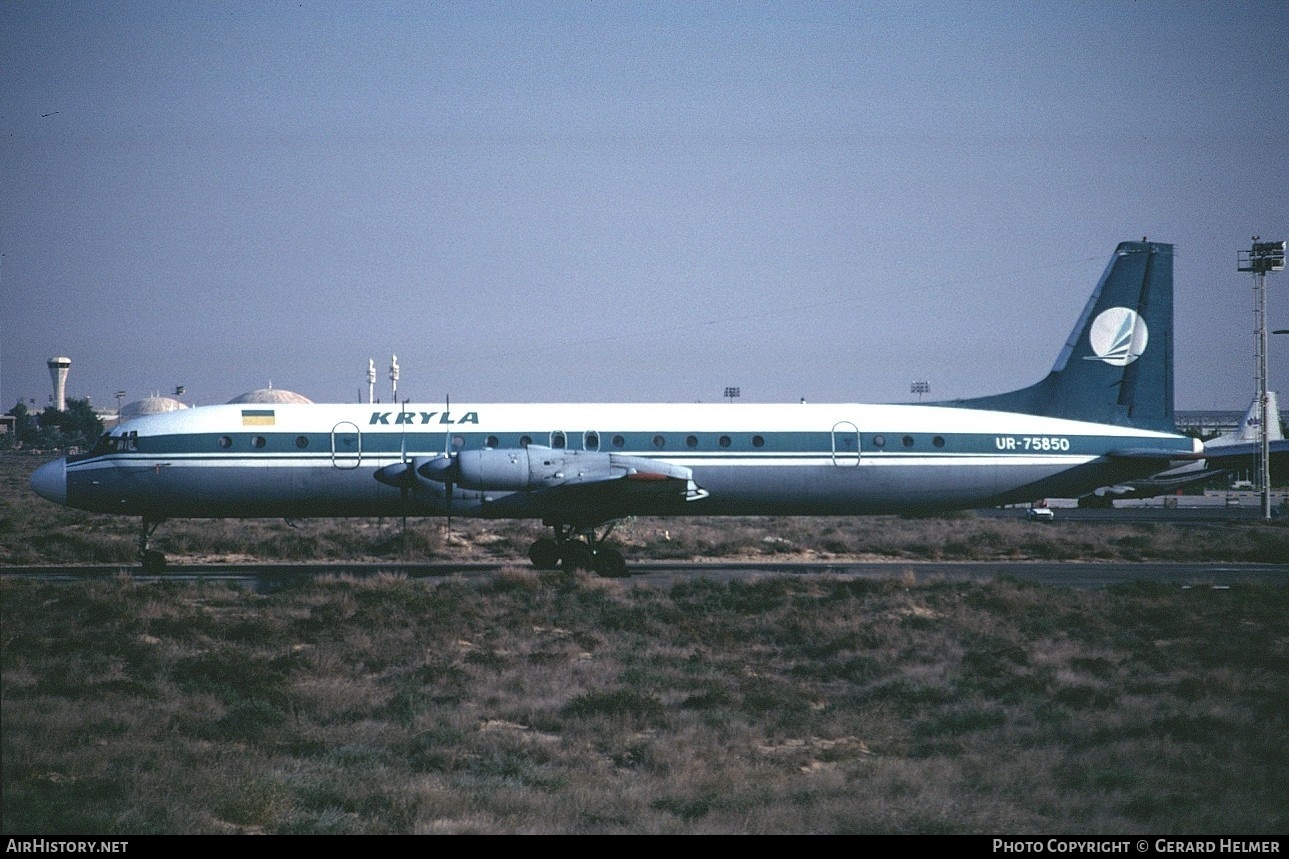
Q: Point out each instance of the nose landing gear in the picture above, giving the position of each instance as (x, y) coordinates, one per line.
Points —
(152, 560)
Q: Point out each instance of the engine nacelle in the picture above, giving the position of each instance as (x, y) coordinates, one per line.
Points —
(534, 467)
(516, 469)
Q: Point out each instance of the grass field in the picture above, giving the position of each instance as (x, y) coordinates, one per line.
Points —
(529, 703)
(578, 705)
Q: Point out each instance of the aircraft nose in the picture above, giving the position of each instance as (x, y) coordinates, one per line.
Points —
(50, 481)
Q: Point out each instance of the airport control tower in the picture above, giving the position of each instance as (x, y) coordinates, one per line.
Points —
(58, 368)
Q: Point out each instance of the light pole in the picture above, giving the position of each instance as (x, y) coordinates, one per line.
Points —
(1262, 258)
(732, 393)
(920, 388)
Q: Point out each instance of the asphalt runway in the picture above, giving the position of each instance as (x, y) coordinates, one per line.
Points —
(1139, 514)
(1079, 575)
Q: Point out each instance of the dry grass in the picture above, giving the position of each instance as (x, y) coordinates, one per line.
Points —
(551, 703)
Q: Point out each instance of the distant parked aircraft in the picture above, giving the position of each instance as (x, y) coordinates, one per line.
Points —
(1233, 452)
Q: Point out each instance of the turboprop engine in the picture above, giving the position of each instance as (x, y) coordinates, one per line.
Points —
(535, 467)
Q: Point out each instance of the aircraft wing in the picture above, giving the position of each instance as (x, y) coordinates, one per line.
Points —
(1244, 457)
(592, 502)
(580, 487)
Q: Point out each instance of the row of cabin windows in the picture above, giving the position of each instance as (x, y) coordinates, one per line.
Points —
(590, 441)
(259, 442)
(879, 441)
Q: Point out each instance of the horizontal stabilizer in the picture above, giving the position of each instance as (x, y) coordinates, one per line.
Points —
(1154, 454)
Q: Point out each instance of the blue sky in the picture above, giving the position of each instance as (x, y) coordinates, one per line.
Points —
(624, 201)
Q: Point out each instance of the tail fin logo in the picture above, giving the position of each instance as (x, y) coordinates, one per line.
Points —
(1118, 337)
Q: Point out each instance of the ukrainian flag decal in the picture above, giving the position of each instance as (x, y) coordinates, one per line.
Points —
(258, 418)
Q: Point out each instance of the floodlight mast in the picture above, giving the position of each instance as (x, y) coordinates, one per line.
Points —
(1262, 258)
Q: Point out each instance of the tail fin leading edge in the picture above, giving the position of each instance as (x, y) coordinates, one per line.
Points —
(1117, 366)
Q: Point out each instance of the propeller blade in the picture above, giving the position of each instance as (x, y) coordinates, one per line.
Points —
(447, 455)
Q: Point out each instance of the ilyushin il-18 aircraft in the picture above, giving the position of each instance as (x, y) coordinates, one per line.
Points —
(1102, 416)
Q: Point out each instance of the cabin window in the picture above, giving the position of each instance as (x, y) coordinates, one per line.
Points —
(591, 440)
(492, 441)
(691, 441)
(938, 441)
(659, 441)
(258, 441)
(557, 439)
(524, 441)
(907, 441)
(724, 441)
(301, 441)
(458, 442)
(225, 442)
(758, 441)
(619, 442)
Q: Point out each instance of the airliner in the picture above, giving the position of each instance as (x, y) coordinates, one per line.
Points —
(1235, 451)
(1102, 416)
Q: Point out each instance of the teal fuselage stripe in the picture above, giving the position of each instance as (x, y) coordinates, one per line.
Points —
(281, 445)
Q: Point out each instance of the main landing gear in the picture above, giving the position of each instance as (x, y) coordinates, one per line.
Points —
(152, 560)
(578, 549)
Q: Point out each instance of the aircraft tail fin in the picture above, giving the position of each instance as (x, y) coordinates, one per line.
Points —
(1117, 365)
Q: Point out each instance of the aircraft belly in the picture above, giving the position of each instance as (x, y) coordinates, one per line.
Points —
(872, 488)
(834, 490)
(173, 489)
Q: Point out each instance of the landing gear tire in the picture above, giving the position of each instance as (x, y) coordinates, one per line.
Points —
(610, 563)
(545, 554)
(152, 560)
(577, 556)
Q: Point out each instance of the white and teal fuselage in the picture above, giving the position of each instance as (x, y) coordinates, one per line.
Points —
(306, 460)
(1102, 416)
